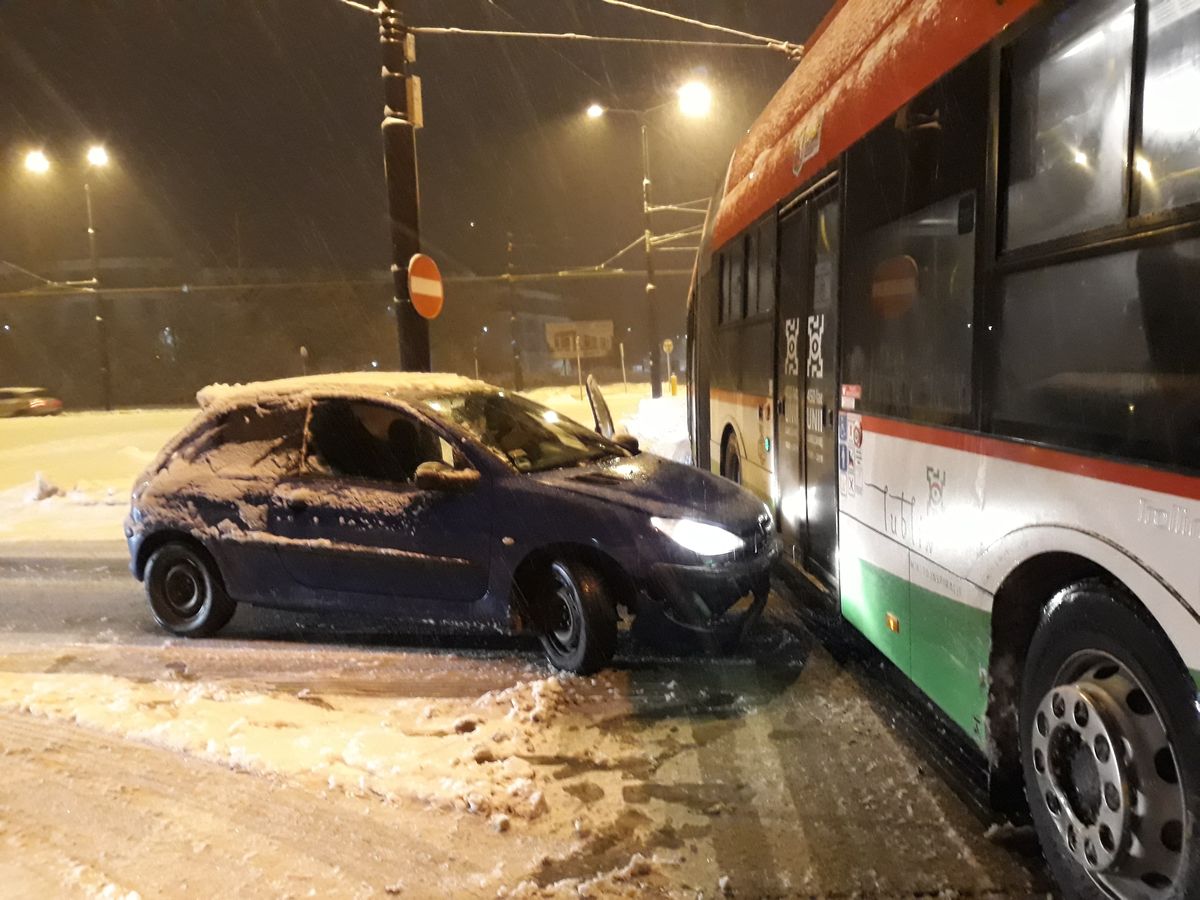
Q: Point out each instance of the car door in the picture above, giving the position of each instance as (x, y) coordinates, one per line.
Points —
(356, 524)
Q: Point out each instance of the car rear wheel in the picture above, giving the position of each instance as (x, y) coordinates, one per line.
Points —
(578, 618)
(185, 591)
(1111, 750)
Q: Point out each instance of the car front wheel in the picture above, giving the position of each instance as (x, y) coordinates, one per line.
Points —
(185, 591)
(1111, 750)
(578, 618)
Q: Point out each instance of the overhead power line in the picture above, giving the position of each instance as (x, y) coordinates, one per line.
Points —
(595, 38)
(793, 50)
(760, 42)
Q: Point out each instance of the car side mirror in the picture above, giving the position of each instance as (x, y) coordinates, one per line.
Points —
(627, 441)
(437, 476)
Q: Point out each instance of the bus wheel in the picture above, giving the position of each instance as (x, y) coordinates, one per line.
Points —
(731, 463)
(1110, 749)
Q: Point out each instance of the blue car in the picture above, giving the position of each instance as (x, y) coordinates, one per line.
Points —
(444, 502)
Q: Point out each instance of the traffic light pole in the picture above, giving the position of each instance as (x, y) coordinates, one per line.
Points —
(400, 170)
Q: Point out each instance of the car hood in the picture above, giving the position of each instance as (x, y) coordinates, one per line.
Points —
(660, 488)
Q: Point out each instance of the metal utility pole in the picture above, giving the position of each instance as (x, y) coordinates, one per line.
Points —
(651, 301)
(98, 303)
(400, 121)
(518, 372)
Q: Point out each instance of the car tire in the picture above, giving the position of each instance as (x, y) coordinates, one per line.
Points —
(731, 460)
(1110, 749)
(185, 591)
(578, 618)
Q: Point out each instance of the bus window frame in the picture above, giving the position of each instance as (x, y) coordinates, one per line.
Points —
(742, 240)
(996, 264)
(986, 235)
(1176, 223)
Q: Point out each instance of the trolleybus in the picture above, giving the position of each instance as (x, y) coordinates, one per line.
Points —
(946, 322)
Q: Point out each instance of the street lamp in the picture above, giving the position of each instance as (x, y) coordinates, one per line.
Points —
(96, 157)
(695, 100)
(37, 162)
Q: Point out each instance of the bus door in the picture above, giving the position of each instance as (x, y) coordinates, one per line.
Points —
(806, 375)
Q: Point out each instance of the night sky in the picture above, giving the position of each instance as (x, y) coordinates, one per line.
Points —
(263, 118)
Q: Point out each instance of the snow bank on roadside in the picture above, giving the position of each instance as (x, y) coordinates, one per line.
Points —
(659, 425)
(447, 754)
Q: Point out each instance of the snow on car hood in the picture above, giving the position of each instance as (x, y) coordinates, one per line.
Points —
(659, 487)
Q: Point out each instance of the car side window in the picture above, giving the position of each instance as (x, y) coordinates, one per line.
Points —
(368, 440)
(253, 441)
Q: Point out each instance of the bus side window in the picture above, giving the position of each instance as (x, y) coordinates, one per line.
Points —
(909, 263)
(1068, 123)
(1169, 168)
(733, 281)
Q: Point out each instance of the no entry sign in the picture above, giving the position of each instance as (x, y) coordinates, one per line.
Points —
(425, 286)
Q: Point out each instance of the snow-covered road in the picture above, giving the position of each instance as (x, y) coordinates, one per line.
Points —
(298, 754)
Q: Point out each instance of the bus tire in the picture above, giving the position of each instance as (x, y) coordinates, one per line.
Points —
(731, 460)
(1110, 749)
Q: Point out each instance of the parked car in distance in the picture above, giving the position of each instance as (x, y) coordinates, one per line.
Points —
(27, 401)
(442, 501)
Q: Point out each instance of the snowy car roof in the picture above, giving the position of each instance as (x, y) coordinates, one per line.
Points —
(401, 385)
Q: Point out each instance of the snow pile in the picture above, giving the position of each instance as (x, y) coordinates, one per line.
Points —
(661, 428)
(67, 478)
(84, 493)
(366, 746)
(659, 425)
(42, 489)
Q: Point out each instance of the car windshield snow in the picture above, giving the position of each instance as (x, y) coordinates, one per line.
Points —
(529, 436)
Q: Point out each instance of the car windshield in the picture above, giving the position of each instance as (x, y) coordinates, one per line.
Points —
(531, 437)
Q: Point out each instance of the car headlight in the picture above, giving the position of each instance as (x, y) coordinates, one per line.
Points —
(699, 537)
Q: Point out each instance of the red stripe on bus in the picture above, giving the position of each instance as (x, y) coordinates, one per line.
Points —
(841, 90)
(1127, 474)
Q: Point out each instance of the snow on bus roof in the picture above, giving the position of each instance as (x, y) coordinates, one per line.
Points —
(374, 384)
(867, 59)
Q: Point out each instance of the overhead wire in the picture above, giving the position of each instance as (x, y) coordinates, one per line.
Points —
(573, 36)
(793, 50)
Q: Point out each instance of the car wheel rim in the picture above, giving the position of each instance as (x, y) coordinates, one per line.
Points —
(564, 624)
(1106, 774)
(183, 589)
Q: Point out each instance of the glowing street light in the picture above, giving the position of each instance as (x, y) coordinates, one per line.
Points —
(37, 162)
(695, 99)
(97, 156)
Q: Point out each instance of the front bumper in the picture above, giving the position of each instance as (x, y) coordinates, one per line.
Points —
(700, 597)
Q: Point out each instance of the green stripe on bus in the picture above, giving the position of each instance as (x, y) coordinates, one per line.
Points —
(943, 645)
(1196, 678)
(951, 646)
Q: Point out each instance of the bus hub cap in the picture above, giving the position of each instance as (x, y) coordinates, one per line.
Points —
(1107, 775)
